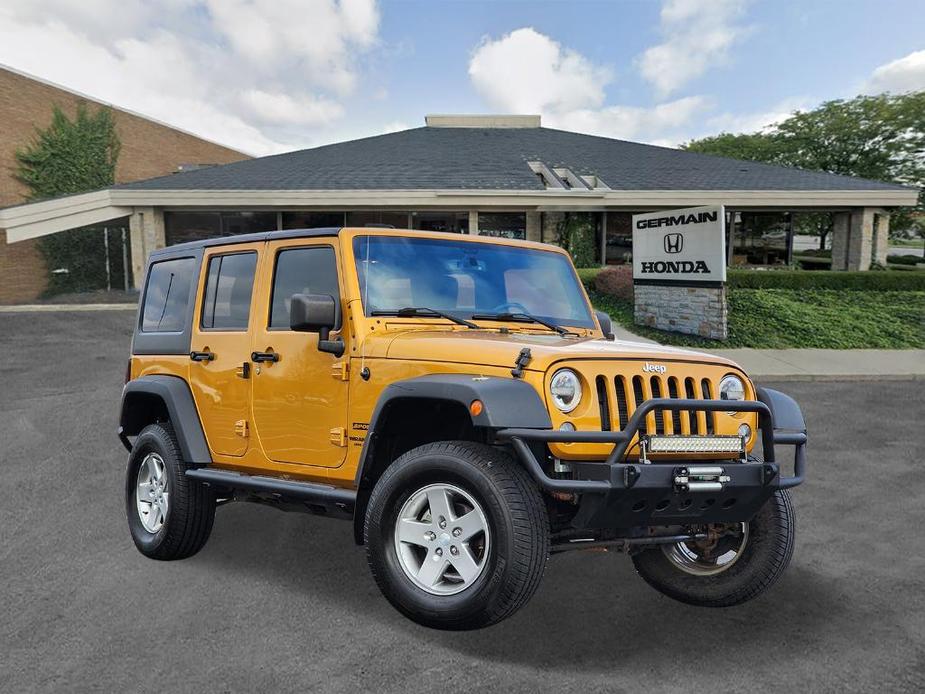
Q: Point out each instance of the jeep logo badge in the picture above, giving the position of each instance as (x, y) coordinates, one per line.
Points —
(654, 368)
(673, 243)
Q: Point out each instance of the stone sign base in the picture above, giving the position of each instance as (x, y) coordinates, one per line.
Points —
(691, 310)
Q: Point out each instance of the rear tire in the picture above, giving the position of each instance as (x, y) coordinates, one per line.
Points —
(760, 561)
(495, 503)
(169, 515)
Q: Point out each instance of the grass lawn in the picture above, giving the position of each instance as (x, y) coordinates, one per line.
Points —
(782, 318)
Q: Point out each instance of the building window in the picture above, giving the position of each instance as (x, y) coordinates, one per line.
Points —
(509, 225)
(761, 238)
(452, 222)
(247, 222)
(180, 227)
(313, 220)
(619, 243)
(399, 220)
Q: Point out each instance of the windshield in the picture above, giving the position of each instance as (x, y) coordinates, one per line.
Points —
(466, 279)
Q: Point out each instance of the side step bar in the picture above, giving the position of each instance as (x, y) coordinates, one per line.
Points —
(322, 494)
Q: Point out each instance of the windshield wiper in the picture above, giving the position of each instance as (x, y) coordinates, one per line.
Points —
(411, 311)
(524, 318)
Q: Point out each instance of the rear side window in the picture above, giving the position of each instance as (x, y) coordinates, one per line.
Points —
(302, 271)
(226, 303)
(166, 295)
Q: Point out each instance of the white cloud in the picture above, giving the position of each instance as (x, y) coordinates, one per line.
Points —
(252, 74)
(906, 74)
(698, 35)
(527, 72)
(284, 109)
(646, 124)
(758, 120)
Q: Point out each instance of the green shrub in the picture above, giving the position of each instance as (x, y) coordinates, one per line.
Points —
(616, 280)
(907, 259)
(826, 279)
(782, 318)
(576, 235)
(588, 274)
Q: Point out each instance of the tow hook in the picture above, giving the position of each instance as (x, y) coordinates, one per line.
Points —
(699, 478)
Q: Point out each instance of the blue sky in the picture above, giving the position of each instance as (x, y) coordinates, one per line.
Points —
(273, 75)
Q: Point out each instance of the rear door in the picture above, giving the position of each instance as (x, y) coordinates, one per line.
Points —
(221, 345)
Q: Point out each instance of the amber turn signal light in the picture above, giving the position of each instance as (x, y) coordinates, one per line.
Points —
(476, 407)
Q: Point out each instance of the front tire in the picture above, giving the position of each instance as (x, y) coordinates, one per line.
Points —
(742, 564)
(169, 515)
(457, 535)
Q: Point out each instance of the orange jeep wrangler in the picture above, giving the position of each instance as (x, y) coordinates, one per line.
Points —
(459, 400)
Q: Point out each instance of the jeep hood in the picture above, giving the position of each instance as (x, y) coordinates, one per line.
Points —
(491, 348)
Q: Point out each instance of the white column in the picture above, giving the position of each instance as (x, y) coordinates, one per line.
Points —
(860, 239)
(881, 237)
(146, 226)
(474, 222)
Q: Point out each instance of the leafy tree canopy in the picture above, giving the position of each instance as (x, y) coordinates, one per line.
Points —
(875, 137)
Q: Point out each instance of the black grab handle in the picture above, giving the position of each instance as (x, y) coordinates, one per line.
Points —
(264, 356)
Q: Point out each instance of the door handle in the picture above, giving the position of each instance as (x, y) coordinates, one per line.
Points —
(264, 356)
(202, 356)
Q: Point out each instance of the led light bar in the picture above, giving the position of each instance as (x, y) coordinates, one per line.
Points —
(695, 444)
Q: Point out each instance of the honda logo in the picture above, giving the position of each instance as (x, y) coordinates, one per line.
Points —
(673, 243)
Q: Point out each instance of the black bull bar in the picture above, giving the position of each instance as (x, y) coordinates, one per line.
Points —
(617, 493)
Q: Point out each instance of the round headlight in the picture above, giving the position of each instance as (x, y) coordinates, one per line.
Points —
(731, 388)
(565, 389)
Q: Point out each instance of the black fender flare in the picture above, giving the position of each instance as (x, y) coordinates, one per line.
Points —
(139, 396)
(506, 402)
(785, 412)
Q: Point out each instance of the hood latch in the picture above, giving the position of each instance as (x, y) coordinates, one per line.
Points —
(521, 362)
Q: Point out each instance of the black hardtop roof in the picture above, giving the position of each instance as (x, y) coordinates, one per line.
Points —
(246, 238)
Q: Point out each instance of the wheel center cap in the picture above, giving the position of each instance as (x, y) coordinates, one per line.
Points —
(444, 539)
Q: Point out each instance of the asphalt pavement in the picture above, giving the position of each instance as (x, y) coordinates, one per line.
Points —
(284, 602)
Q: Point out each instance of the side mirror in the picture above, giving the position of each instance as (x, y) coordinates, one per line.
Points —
(606, 325)
(316, 313)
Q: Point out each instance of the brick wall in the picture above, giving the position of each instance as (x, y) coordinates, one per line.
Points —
(148, 149)
(691, 310)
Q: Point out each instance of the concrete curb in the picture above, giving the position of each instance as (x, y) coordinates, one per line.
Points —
(832, 378)
(44, 308)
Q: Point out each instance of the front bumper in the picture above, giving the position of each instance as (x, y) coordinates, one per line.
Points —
(619, 494)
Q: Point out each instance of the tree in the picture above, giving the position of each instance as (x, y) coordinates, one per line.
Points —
(576, 235)
(876, 137)
(67, 157)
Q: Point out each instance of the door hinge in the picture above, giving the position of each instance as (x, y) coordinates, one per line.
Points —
(339, 436)
(240, 428)
(341, 370)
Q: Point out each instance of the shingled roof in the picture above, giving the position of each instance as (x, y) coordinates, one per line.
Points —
(438, 158)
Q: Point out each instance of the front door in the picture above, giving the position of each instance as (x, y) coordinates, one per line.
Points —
(299, 398)
(221, 347)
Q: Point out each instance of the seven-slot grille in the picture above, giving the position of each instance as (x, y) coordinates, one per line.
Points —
(619, 396)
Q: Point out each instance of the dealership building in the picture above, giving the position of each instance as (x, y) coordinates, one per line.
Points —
(487, 175)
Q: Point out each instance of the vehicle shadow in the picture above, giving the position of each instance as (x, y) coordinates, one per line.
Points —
(592, 610)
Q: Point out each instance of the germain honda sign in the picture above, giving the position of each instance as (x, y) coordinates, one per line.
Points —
(687, 245)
